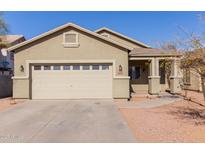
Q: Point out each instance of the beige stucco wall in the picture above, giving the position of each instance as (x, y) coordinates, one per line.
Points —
(121, 88)
(51, 48)
(121, 40)
(141, 84)
(195, 81)
(20, 88)
(154, 87)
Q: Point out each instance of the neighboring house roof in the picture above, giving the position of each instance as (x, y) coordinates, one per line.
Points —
(11, 38)
(65, 26)
(122, 36)
(139, 52)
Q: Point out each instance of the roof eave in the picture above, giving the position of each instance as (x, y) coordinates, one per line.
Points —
(156, 55)
(123, 36)
(62, 27)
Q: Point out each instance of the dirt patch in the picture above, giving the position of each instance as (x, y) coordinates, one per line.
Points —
(140, 99)
(135, 100)
(182, 121)
(194, 96)
(7, 103)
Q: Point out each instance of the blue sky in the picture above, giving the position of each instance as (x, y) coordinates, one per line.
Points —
(148, 27)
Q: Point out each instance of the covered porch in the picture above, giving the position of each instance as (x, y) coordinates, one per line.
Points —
(148, 73)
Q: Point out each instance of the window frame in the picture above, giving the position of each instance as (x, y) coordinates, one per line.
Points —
(58, 66)
(104, 66)
(75, 68)
(44, 67)
(92, 68)
(66, 66)
(71, 44)
(133, 72)
(84, 67)
(187, 76)
(37, 66)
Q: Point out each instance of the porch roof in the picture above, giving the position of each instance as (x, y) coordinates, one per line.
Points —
(153, 52)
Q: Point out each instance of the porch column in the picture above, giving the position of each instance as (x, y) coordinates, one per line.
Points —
(154, 78)
(175, 77)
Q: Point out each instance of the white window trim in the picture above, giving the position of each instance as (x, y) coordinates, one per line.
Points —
(66, 44)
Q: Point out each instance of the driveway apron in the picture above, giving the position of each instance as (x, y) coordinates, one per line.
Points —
(64, 121)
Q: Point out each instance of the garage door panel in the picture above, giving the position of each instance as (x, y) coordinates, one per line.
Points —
(71, 84)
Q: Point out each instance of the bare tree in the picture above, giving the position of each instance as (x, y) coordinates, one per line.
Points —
(194, 53)
(3, 30)
(192, 45)
(195, 60)
(3, 25)
(3, 43)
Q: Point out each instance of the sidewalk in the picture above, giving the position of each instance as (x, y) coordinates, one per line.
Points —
(163, 99)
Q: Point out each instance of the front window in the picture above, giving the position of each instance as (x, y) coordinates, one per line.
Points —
(134, 72)
(186, 76)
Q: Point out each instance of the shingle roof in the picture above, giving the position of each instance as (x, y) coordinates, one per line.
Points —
(10, 38)
(122, 36)
(139, 52)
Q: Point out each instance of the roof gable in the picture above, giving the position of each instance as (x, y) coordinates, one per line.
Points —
(63, 27)
(104, 29)
(11, 38)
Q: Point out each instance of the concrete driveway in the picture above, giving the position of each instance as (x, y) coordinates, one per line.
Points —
(64, 121)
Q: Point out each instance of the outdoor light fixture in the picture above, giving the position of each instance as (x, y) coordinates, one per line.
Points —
(120, 69)
(21, 68)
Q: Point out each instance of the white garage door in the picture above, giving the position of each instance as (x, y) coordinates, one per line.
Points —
(72, 81)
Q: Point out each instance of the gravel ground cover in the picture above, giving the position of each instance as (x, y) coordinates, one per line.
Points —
(181, 121)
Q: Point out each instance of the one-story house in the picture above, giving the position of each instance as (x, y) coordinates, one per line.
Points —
(71, 62)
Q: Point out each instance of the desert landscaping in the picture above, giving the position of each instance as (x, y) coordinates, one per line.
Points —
(181, 121)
